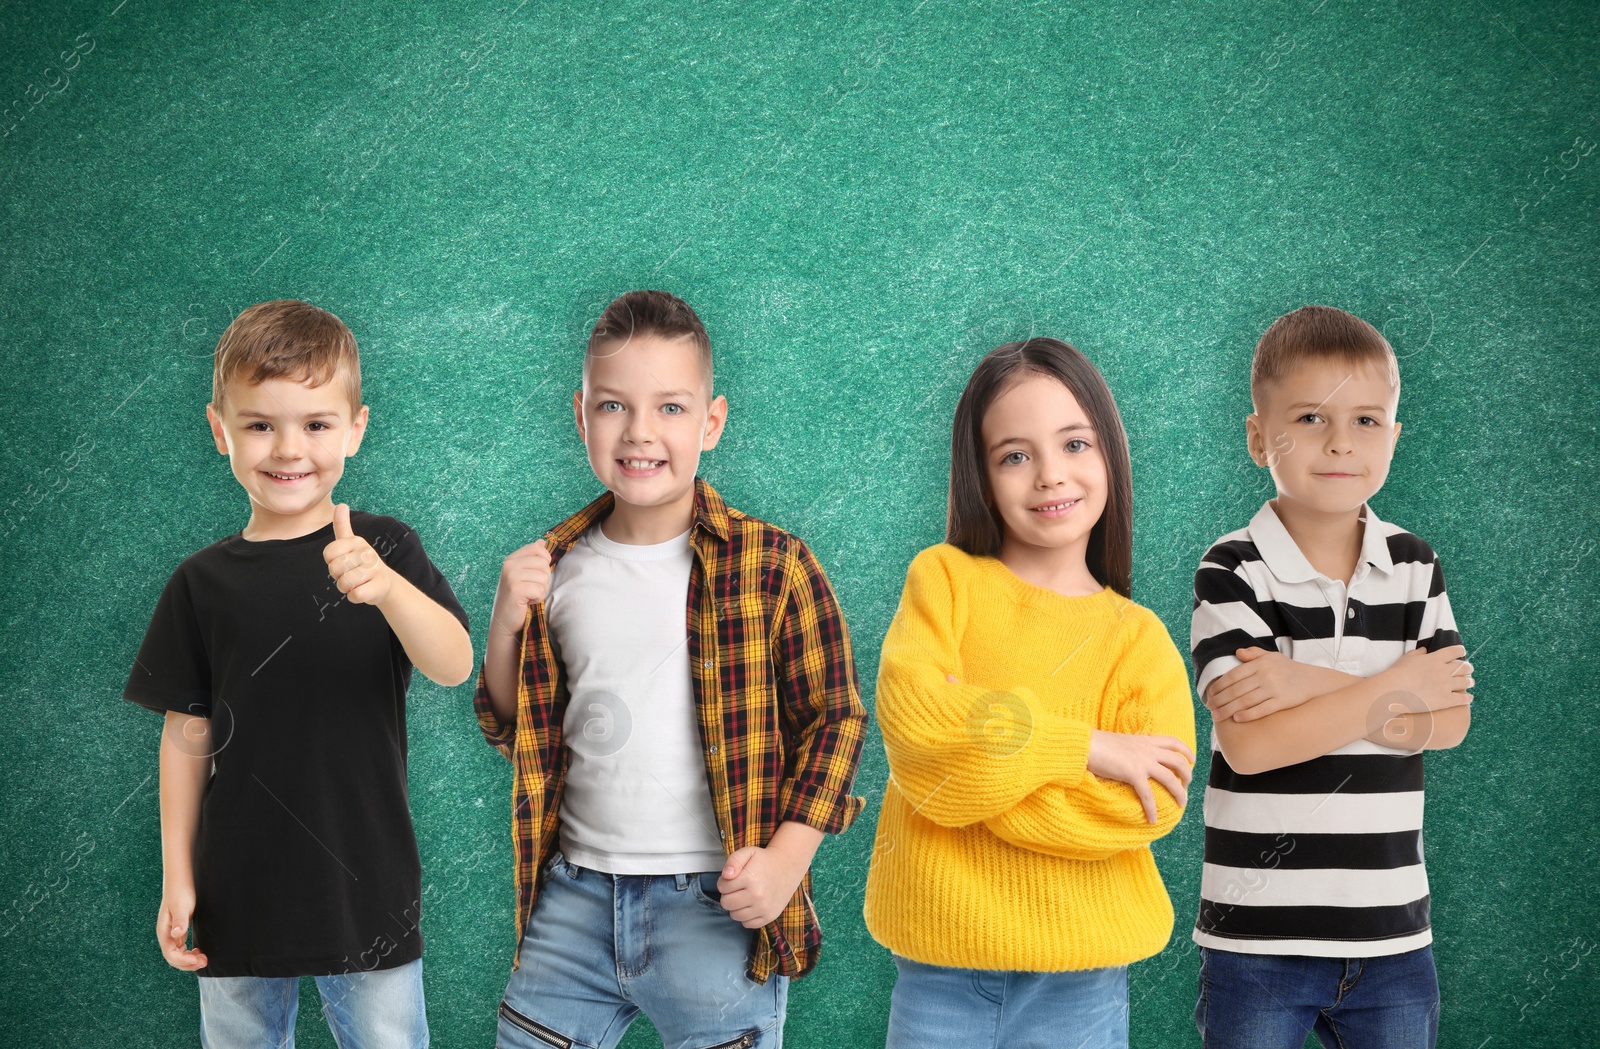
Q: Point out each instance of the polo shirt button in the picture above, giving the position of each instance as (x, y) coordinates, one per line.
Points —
(713, 748)
(707, 664)
(1351, 614)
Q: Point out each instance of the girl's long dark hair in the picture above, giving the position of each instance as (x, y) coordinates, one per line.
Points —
(973, 524)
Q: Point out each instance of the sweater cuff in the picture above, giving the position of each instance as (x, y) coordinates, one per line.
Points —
(1059, 746)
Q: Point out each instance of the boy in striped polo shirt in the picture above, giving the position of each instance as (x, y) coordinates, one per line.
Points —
(1325, 649)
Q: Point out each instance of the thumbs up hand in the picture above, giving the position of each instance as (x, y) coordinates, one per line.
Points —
(355, 566)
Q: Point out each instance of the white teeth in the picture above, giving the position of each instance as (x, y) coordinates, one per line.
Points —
(642, 464)
(285, 477)
(1056, 506)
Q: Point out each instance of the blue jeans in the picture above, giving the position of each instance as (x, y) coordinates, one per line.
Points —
(1272, 1001)
(381, 1009)
(939, 1007)
(601, 948)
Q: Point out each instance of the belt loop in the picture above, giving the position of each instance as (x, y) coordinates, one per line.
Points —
(683, 881)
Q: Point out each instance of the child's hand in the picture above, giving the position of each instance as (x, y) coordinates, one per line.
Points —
(172, 929)
(356, 568)
(1438, 680)
(1264, 683)
(524, 581)
(1135, 759)
(757, 884)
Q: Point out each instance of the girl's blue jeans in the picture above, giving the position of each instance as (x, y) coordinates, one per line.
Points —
(953, 1008)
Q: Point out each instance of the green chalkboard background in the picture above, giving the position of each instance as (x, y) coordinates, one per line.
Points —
(860, 201)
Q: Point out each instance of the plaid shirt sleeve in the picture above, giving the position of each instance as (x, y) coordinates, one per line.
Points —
(821, 700)
(501, 735)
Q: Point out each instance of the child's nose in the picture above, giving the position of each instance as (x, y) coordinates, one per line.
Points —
(640, 429)
(288, 444)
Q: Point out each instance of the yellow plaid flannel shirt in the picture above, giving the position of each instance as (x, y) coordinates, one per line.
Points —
(775, 690)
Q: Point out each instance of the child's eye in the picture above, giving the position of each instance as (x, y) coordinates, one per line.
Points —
(1013, 458)
(611, 406)
(673, 409)
(253, 426)
(1311, 417)
(1077, 444)
(320, 426)
(1367, 420)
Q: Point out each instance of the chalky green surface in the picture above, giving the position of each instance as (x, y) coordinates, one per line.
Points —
(860, 201)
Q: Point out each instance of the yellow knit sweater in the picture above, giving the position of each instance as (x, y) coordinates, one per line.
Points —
(996, 847)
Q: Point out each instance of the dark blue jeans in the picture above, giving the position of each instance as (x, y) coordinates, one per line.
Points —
(1272, 1001)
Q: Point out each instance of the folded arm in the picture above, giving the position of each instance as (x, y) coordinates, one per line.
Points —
(1101, 817)
(962, 752)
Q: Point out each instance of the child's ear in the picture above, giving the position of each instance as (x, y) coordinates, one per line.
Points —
(1255, 439)
(577, 413)
(218, 434)
(358, 430)
(716, 420)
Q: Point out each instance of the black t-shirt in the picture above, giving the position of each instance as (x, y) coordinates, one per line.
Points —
(306, 862)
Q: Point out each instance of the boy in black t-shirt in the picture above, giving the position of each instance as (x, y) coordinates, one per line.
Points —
(281, 656)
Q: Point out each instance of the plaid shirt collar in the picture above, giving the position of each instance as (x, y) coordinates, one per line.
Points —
(710, 519)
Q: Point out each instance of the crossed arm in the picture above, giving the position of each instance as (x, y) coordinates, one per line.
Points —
(964, 753)
(1271, 711)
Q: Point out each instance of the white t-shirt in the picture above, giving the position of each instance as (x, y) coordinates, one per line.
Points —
(636, 800)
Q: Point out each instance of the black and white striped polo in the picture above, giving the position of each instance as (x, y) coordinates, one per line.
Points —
(1324, 857)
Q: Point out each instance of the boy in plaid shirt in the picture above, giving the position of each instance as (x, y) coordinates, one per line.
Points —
(674, 773)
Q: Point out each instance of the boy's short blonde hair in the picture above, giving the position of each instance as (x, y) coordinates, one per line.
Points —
(657, 313)
(1317, 333)
(286, 338)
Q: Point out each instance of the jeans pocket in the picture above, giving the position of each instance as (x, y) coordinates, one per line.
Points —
(703, 887)
(558, 862)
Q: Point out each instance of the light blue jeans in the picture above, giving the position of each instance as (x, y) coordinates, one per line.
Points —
(602, 948)
(381, 1009)
(940, 1007)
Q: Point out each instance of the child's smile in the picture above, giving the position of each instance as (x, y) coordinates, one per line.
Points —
(645, 415)
(1060, 508)
(1327, 433)
(1047, 478)
(641, 467)
(287, 443)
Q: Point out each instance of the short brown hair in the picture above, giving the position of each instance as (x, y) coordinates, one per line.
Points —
(973, 524)
(658, 313)
(286, 338)
(1318, 333)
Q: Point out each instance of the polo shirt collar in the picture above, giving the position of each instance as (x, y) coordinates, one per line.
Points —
(710, 515)
(1282, 554)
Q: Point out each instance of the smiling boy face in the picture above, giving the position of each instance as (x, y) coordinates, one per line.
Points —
(287, 442)
(1327, 432)
(645, 414)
